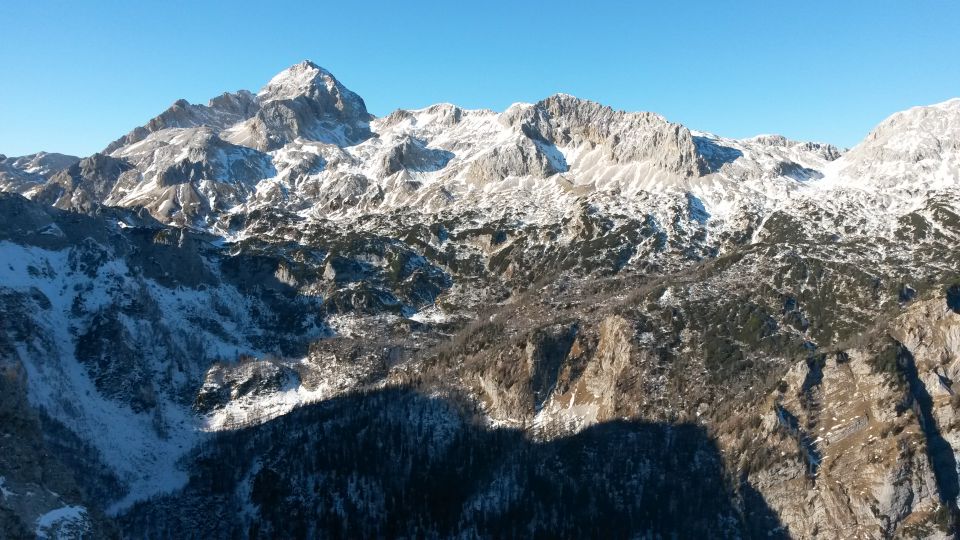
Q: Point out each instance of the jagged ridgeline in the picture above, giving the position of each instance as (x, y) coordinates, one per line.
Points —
(278, 316)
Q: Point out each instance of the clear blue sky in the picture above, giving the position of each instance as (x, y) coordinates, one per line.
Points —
(75, 75)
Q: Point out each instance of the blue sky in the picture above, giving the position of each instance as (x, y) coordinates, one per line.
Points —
(76, 75)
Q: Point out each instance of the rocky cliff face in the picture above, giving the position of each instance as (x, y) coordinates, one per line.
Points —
(20, 174)
(872, 431)
(558, 317)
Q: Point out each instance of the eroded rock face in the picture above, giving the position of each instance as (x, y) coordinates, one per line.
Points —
(527, 158)
(515, 389)
(665, 145)
(873, 437)
(84, 185)
(596, 394)
(856, 462)
(192, 173)
(221, 112)
(565, 378)
(411, 154)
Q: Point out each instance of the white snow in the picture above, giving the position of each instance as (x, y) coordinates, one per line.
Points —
(430, 315)
(54, 521)
(3, 489)
(59, 384)
(294, 81)
(255, 409)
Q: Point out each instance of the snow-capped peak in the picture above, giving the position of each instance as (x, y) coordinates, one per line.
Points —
(918, 146)
(298, 80)
(903, 130)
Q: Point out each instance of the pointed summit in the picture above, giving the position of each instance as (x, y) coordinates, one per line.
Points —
(303, 79)
(305, 101)
(296, 80)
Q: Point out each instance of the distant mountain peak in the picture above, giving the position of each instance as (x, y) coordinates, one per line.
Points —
(922, 143)
(299, 79)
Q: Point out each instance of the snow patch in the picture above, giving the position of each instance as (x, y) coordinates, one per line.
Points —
(64, 522)
(3, 489)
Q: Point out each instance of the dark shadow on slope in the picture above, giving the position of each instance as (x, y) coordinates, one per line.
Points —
(810, 390)
(550, 347)
(696, 211)
(413, 154)
(814, 376)
(715, 155)
(394, 463)
(946, 383)
(760, 520)
(808, 449)
(796, 171)
(943, 461)
(556, 159)
(953, 298)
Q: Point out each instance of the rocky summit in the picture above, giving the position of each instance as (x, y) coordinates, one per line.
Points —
(279, 316)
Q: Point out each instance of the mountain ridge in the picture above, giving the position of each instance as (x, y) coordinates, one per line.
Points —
(325, 112)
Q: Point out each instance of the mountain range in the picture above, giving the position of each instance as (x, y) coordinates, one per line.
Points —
(277, 315)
